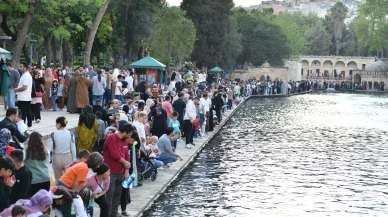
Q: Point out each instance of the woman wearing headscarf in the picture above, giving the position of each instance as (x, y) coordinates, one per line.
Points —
(87, 130)
(82, 90)
(37, 95)
(48, 80)
(71, 94)
(158, 118)
(38, 205)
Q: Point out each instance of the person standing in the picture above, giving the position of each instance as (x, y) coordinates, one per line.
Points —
(180, 106)
(98, 89)
(82, 90)
(23, 92)
(62, 147)
(37, 94)
(37, 160)
(14, 78)
(116, 156)
(48, 79)
(71, 94)
(190, 116)
(167, 107)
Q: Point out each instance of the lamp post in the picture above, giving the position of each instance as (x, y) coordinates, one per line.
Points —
(5, 38)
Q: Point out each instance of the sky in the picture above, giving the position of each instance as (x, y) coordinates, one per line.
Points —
(244, 3)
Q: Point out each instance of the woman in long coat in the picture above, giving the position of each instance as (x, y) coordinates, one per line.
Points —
(82, 90)
(48, 80)
(72, 95)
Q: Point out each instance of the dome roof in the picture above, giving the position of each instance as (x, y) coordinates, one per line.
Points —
(378, 66)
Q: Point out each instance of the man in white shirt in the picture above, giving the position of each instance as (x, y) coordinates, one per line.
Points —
(204, 108)
(23, 93)
(189, 117)
(129, 80)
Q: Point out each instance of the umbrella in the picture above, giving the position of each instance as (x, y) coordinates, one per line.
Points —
(4, 54)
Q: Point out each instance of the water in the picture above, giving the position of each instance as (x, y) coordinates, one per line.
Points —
(310, 155)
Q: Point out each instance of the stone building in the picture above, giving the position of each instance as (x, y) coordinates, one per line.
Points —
(373, 78)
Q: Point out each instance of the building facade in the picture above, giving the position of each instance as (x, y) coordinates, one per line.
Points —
(363, 73)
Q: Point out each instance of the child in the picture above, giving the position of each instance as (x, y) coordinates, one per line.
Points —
(197, 132)
(61, 100)
(152, 150)
(99, 184)
(18, 211)
(54, 94)
(23, 177)
(83, 156)
(7, 168)
(174, 123)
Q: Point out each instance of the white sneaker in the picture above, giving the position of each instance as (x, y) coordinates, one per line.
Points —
(189, 146)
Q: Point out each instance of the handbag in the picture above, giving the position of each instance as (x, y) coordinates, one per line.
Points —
(39, 94)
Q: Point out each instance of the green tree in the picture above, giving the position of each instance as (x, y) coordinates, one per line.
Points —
(261, 40)
(173, 38)
(318, 40)
(293, 32)
(211, 19)
(335, 24)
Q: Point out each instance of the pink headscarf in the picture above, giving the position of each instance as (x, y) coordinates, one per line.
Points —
(40, 200)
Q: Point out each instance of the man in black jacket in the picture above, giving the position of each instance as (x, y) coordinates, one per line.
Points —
(9, 122)
(7, 168)
(23, 177)
(179, 106)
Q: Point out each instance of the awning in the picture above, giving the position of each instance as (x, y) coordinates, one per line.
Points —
(5, 55)
(216, 69)
(147, 63)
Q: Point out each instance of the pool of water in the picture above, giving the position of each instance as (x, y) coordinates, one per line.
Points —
(308, 155)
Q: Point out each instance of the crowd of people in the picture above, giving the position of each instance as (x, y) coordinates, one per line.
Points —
(127, 130)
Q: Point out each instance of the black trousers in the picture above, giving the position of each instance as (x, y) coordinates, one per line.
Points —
(38, 186)
(219, 115)
(104, 210)
(36, 111)
(188, 129)
(25, 110)
(125, 199)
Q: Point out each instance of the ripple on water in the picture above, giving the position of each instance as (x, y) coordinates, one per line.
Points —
(311, 155)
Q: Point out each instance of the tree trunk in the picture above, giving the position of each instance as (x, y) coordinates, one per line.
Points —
(49, 47)
(67, 53)
(22, 34)
(93, 31)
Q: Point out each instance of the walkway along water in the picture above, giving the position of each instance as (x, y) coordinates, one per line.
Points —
(144, 196)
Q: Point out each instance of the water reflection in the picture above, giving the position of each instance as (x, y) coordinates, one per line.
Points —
(311, 155)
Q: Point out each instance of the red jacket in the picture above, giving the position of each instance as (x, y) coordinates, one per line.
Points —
(114, 150)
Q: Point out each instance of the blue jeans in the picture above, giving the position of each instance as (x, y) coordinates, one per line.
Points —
(166, 159)
(157, 163)
(96, 97)
(10, 99)
(54, 102)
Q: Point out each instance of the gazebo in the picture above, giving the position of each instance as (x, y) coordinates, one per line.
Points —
(4, 54)
(214, 74)
(150, 70)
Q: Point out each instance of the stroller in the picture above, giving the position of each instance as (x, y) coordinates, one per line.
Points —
(146, 169)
